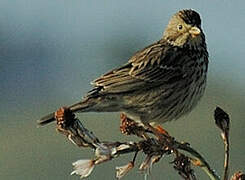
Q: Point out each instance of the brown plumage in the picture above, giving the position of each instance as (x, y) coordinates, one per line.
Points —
(159, 83)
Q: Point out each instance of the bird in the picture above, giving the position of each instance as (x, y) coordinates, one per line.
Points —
(159, 83)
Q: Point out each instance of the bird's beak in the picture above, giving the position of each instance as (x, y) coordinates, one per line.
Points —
(194, 31)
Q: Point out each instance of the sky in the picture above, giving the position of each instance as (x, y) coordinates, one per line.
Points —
(51, 50)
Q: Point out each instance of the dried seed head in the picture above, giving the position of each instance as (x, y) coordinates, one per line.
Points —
(183, 165)
(83, 167)
(104, 152)
(127, 126)
(146, 165)
(123, 170)
(238, 176)
(222, 119)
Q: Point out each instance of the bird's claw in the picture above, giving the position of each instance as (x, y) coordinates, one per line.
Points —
(64, 117)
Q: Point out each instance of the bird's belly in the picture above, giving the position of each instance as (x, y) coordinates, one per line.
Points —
(161, 105)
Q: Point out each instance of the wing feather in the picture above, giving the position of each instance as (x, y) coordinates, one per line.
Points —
(149, 67)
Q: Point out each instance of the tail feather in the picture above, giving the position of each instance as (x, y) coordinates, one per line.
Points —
(46, 119)
(81, 106)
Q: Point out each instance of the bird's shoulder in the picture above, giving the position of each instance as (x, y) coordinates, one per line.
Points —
(154, 62)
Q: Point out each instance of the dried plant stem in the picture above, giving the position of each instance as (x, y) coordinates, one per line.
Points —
(153, 148)
(222, 121)
(199, 161)
(227, 155)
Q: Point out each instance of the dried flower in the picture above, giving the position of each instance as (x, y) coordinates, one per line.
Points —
(83, 167)
(123, 170)
(183, 165)
(146, 165)
(124, 146)
(128, 126)
(222, 119)
(238, 176)
(104, 152)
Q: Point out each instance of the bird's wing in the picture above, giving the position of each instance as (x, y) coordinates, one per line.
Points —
(150, 67)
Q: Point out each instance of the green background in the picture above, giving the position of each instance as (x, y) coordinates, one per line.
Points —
(51, 50)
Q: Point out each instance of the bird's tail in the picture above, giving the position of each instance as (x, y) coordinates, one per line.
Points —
(81, 106)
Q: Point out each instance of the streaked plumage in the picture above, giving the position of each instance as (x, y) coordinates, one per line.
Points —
(159, 83)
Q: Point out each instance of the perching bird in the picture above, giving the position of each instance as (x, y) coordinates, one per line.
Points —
(160, 83)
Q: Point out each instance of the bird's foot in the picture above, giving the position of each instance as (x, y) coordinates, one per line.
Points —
(63, 117)
(159, 132)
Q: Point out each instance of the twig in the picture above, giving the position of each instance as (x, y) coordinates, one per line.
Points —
(153, 148)
(238, 176)
(199, 161)
(222, 120)
(182, 164)
(227, 156)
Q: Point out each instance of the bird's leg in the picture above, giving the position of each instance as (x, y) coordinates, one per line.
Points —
(158, 131)
(161, 130)
(129, 126)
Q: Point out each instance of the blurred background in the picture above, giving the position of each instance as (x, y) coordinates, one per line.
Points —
(51, 50)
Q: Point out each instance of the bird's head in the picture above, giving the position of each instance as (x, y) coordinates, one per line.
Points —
(184, 28)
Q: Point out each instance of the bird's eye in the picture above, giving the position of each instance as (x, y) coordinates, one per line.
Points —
(180, 27)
